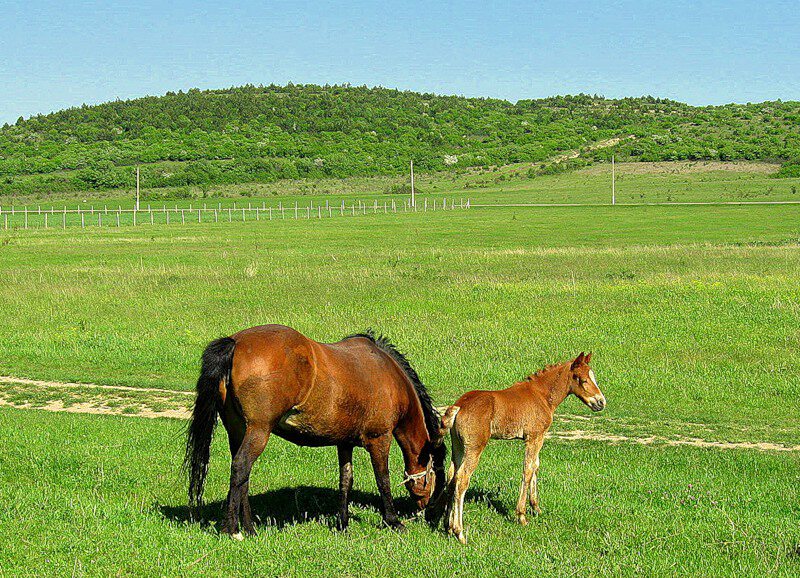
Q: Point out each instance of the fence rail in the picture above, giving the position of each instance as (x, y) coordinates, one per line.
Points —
(48, 218)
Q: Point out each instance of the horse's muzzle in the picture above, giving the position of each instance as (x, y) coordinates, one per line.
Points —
(597, 403)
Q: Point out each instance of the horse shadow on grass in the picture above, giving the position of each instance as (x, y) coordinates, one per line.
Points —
(285, 507)
(489, 497)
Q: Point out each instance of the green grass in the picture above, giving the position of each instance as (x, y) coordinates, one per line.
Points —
(691, 310)
(90, 495)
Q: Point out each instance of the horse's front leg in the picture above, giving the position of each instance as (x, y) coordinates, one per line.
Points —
(378, 449)
(345, 484)
(528, 488)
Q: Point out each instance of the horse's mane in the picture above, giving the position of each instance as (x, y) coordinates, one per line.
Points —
(544, 370)
(383, 343)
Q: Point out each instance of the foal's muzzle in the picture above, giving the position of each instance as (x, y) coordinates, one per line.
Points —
(597, 403)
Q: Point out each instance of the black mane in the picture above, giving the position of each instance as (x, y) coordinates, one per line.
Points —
(382, 342)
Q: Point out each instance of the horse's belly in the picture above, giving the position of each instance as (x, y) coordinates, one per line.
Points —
(297, 427)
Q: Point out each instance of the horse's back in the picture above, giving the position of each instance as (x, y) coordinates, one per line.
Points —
(315, 393)
(502, 414)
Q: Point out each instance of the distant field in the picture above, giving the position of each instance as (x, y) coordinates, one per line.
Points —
(691, 312)
(636, 183)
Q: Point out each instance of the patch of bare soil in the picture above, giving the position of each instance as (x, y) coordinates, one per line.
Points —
(682, 168)
(177, 407)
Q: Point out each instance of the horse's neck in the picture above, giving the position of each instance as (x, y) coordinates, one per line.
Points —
(412, 437)
(553, 383)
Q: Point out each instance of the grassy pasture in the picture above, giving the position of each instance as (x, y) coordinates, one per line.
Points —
(95, 495)
(691, 311)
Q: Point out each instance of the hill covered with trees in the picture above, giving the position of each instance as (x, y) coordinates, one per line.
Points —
(266, 133)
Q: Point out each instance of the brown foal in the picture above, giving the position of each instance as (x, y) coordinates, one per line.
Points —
(360, 391)
(523, 411)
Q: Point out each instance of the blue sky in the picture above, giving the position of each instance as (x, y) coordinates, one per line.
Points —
(59, 54)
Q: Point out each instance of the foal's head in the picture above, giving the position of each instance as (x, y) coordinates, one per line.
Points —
(583, 383)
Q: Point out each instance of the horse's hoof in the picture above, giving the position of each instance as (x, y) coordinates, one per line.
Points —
(537, 511)
(237, 536)
(522, 519)
(462, 538)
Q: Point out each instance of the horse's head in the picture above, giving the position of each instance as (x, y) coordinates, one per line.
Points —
(583, 383)
(422, 484)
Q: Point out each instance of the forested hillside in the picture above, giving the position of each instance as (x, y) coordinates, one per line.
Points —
(254, 133)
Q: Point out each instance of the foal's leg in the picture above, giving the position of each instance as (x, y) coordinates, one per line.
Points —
(532, 446)
(255, 439)
(378, 449)
(345, 484)
(449, 494)
(471, 458)
(533, 491)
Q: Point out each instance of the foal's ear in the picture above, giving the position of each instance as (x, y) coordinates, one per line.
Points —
(578, 360)
(588, 357)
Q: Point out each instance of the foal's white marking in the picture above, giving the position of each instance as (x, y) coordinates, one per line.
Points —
(592, 377)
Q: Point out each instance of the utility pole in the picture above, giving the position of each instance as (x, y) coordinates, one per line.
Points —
(137, 187)
(613, 182)
(413, 197)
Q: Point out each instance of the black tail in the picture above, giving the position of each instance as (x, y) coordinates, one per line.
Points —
(215, 367)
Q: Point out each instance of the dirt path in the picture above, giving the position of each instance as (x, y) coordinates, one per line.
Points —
(163, 403)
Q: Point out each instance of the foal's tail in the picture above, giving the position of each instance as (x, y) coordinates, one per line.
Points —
(215, 371)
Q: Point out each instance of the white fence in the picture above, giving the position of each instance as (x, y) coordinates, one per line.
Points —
(28, 218)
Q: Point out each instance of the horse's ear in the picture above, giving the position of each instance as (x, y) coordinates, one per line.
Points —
(578, 360)
(588, 357)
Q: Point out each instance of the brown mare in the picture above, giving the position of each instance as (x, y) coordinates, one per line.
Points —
(523, 411)
(360, 391)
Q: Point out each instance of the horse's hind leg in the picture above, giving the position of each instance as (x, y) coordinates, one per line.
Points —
(472, 455)
(449, 494)
(255, 439)
(345, 484)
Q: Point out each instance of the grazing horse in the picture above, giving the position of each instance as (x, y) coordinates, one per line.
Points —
(523, 411)
(360, 391)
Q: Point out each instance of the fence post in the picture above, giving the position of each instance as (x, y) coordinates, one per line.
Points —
(64, 220)
(270, 212)
(183, 216)
(82, 223)
(99, 219)
(198, 216)
(45, 219)
(118, 219)
(341, 211)
(134, 216)
(242, 214)
(230, 215)
(295, 210)
(26, 217)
